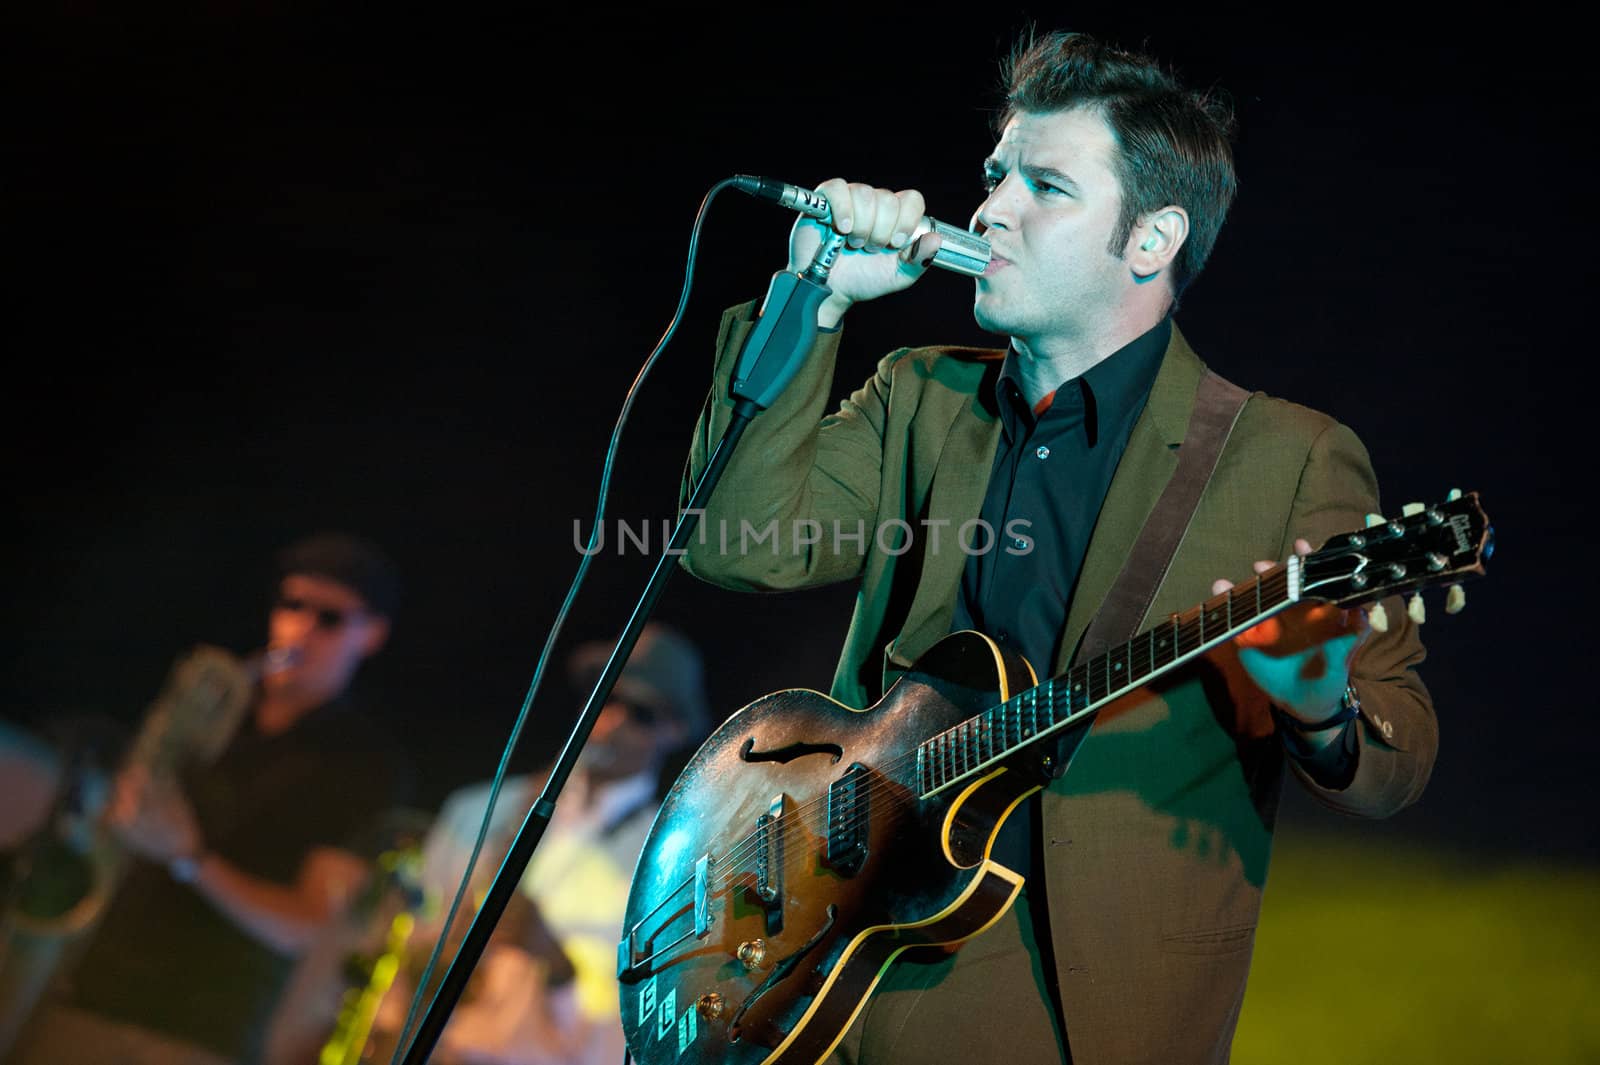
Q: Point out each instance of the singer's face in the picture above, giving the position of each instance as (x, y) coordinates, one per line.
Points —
(1052, 207)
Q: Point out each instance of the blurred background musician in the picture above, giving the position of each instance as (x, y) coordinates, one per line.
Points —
(239, 862)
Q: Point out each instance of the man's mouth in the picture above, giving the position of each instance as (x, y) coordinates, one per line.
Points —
(996, 263)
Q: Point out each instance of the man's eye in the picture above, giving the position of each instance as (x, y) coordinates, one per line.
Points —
(991, 182)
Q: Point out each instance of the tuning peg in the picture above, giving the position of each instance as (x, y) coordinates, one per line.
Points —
(1455, 600)
(1413, 508)
(1379, 617)
(1415, 610)
(1374, 519)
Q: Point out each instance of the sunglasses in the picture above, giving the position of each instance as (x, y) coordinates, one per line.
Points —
(641, 714)
(326, 618)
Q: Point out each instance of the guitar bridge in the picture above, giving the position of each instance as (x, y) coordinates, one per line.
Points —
(633, 963)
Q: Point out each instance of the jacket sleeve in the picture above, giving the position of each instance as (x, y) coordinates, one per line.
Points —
(797, 500)
(1396, 735)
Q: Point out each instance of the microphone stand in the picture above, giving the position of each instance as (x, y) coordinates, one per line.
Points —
(771, 356)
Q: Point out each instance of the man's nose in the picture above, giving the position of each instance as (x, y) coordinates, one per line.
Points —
(611, 715)
(995, 211)
(291, 627)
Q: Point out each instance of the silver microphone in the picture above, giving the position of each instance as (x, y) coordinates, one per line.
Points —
(960, 250)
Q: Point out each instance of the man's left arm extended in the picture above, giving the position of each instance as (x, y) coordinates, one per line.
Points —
(1394, 735)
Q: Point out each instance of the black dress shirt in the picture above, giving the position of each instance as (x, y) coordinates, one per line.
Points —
(1051, 472)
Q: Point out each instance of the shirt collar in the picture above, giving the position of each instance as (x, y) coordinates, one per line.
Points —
(1118, 382)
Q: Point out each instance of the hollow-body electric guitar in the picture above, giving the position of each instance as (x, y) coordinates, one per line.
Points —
(807, 844)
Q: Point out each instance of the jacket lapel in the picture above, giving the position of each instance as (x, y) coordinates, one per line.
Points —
(1143, 472)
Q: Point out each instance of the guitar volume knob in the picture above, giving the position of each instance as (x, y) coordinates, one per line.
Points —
(751, 953)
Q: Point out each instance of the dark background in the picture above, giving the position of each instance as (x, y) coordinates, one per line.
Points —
(269, 273)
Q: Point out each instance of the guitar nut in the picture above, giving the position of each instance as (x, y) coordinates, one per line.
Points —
(709, 1005)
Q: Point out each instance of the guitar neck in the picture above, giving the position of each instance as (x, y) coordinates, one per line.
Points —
(976, 745)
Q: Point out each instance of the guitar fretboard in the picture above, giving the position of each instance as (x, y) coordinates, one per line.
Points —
(979, 742)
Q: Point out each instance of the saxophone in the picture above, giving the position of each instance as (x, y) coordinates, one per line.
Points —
(329, 1010)
(67, 874)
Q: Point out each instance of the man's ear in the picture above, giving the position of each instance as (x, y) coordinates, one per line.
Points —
(375, 637)
(1155, 241)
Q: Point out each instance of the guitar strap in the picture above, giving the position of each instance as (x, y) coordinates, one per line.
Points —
(1217, 405)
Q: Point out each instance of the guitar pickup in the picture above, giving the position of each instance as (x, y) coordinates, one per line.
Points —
(769, 864)
(847, 821)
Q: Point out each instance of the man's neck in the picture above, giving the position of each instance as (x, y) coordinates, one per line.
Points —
(590, 789)
(278, 712)
(1043, 365)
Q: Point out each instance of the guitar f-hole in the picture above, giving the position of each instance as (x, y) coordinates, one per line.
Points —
(789, 752)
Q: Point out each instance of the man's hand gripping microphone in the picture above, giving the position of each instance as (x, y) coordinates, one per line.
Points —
(788, 324)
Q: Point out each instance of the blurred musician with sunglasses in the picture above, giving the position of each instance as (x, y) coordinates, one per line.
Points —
(545, 990)
(246, 860)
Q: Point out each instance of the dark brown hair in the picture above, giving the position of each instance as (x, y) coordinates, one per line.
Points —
(1173, 144)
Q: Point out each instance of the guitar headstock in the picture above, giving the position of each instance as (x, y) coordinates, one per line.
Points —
(1426, 546)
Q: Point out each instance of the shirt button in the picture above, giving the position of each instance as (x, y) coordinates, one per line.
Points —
(1020, 542)
(1043, 452)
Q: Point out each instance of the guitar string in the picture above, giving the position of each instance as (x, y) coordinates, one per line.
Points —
(901, 793)
(959, 751)
(1274, 580)
(734, 864)
(886, 796)
(962, 752)
(742, 858)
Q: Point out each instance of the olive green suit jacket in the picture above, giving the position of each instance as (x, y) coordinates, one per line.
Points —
(1157, 837)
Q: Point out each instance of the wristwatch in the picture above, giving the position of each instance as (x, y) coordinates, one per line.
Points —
(1349, 707)
(1294, 731)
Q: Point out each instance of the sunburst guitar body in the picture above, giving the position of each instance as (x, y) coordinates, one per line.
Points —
(796, 856)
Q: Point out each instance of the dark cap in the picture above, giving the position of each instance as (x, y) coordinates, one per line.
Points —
(664, 674)
(351, 560)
